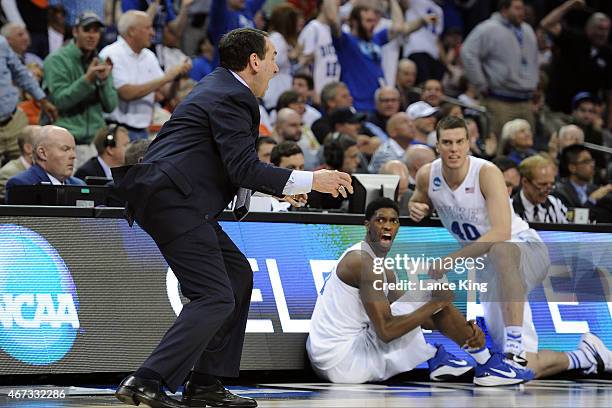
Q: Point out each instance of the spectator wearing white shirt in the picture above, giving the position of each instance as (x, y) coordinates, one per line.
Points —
(423, 46)
(319, 52)
(136, 73)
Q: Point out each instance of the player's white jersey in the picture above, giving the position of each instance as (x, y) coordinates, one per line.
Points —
(464, 211)
(317, 40)
(338, 316)
(342, 344)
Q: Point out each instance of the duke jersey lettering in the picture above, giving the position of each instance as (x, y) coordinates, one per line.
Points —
(463, 211)
(316, 39)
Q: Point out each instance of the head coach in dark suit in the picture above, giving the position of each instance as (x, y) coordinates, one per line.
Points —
(203, 157)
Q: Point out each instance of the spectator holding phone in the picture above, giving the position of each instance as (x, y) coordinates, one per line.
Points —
(80, 85)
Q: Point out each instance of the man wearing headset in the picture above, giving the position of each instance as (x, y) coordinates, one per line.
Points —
(111, 143)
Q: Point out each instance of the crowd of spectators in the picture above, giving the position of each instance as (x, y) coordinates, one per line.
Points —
(360, 88)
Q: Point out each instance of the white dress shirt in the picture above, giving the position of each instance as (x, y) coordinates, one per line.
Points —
(54, 181)
(554, 212)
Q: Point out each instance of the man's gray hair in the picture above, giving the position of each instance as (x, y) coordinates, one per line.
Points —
(136, 151)
(384, 88)
(567, 129)
(329, 92)
(41, 137)
(129, 19)
(8, 28)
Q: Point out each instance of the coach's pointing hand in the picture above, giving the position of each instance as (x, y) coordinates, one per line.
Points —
(332, 182)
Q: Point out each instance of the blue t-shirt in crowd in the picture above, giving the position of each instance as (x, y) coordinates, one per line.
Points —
(200, 68)
(221, 20)
(361, 66)
(74, 8)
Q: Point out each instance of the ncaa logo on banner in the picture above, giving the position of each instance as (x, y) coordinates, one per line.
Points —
(38, 299)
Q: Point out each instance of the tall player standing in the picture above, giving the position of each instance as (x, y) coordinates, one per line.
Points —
(471, 199)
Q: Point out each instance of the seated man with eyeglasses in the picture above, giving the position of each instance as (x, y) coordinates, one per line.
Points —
(576, 188)
(533, 202)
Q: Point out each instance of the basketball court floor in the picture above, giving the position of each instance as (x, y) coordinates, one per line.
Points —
(548, 393)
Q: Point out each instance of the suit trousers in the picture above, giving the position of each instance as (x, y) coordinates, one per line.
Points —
(208, 334)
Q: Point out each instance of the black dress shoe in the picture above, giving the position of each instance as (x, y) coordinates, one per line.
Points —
(135, 390)
(213, 395)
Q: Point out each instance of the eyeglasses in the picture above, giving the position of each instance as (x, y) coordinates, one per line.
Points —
(542, 187)
(388, 100)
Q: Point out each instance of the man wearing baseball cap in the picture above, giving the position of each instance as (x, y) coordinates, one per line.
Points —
(80, 84)
(424, 117)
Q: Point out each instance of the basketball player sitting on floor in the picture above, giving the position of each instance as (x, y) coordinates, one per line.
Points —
(472, 202)
(362, 332)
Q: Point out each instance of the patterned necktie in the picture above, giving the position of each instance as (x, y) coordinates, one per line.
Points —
(241, 206)
(536, 216)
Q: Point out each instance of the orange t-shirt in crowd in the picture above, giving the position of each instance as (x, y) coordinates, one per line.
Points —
(31, 108)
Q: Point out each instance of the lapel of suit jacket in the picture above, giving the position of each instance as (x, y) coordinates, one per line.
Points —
(40, 173)
(250, 98)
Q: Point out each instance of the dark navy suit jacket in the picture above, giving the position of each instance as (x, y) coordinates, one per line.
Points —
(35, 175)
(201, 156)
(91, 167)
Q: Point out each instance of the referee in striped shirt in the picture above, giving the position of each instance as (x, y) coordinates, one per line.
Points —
(533, 201)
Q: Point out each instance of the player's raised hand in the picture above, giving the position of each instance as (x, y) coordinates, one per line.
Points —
(418, 211)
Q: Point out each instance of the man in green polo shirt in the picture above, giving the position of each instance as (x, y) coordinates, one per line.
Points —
(80, 85)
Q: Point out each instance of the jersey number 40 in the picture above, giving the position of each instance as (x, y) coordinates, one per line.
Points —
(465, 232)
